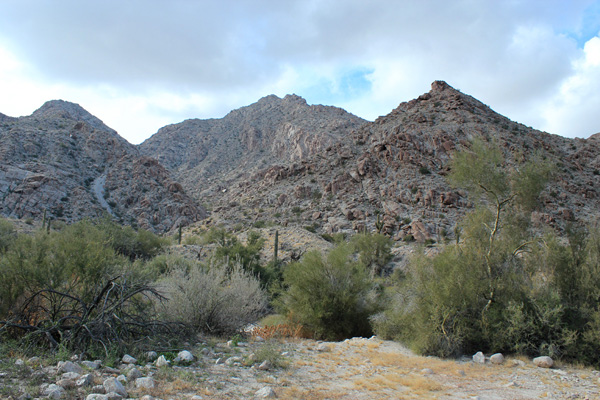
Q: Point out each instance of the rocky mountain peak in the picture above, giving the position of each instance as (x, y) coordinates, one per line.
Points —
(67, 110)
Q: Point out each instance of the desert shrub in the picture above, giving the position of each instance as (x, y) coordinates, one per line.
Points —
(332, 296)
(7, 234)
(131, 243)
(70, 289)
(374, 251)
(216, 299)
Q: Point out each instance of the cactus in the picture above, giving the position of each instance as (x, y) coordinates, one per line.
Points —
(276, 247)
(179, 235)
(378, 224)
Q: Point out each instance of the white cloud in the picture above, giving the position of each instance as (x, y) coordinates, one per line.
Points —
(573, 110)
(141, 64)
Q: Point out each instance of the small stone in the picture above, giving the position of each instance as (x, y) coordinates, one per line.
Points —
(133, 374)
(265, 393)
(71, 375)
(259, 339)
(91, 364)
(69, 366)
(98, 389)
(518, 363)
(205, 351)
(323, 347)
(96, 396)
(33, 360)
(252, 358)
(265, 365)
(19, 362)
(427, 371)
(151, 355)
(127, 359)
(285, 354)
(113, 385)
(85, 380)
(122, 378)
(147, 397)
(161, 362)
(232, 360)
(220, 360)
(511, 384)
(543, 362)
(196, 397)
(144, 383)
(185, 357)
(113, 396)
(66, 383)
(54, 391)
(479, 358)
(497, 358)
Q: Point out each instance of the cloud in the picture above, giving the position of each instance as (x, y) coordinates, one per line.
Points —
(142, 63)
(571, 111)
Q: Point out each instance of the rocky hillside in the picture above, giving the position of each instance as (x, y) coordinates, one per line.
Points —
(210, 156)
(56, 161)
(284, 161)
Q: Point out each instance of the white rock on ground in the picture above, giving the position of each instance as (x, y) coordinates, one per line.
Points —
(479, 358)
(96, 396)
(91, 364)
(497, 358)
(133, 374)
(184, 356)
(54, 392)
(113, 385)
(69, 366)
(85, 380)
(543, 362)
(151, 355)
(127, 359)
(265, 393)
(145, 383)
(161, 362)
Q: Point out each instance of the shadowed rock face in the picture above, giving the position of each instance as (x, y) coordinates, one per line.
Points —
(48, 161)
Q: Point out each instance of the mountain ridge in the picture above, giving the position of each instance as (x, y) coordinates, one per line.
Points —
(290, 163)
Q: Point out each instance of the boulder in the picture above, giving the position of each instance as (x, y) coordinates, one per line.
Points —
(161, 362)
(497, 358)
(54, 392)
(145, 383)
(184, 357)
(543, 362)
(265, 393)
(69, 366)
(113, 385)
(127, 359)
(479, 358)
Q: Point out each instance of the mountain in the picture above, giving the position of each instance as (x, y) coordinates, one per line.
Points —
(281, 160)
(285, 162)
(56, 161)
(209, 156)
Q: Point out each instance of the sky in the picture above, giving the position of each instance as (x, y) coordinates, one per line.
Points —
(139, 65)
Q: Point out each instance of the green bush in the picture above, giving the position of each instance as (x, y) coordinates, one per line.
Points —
(374, 251)
(333, 296)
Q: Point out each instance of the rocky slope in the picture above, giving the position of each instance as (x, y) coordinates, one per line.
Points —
(252, 167)
(209, 156)
(50, 160)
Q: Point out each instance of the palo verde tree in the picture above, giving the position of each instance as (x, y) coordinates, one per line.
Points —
(457, 300)
(500, 235)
